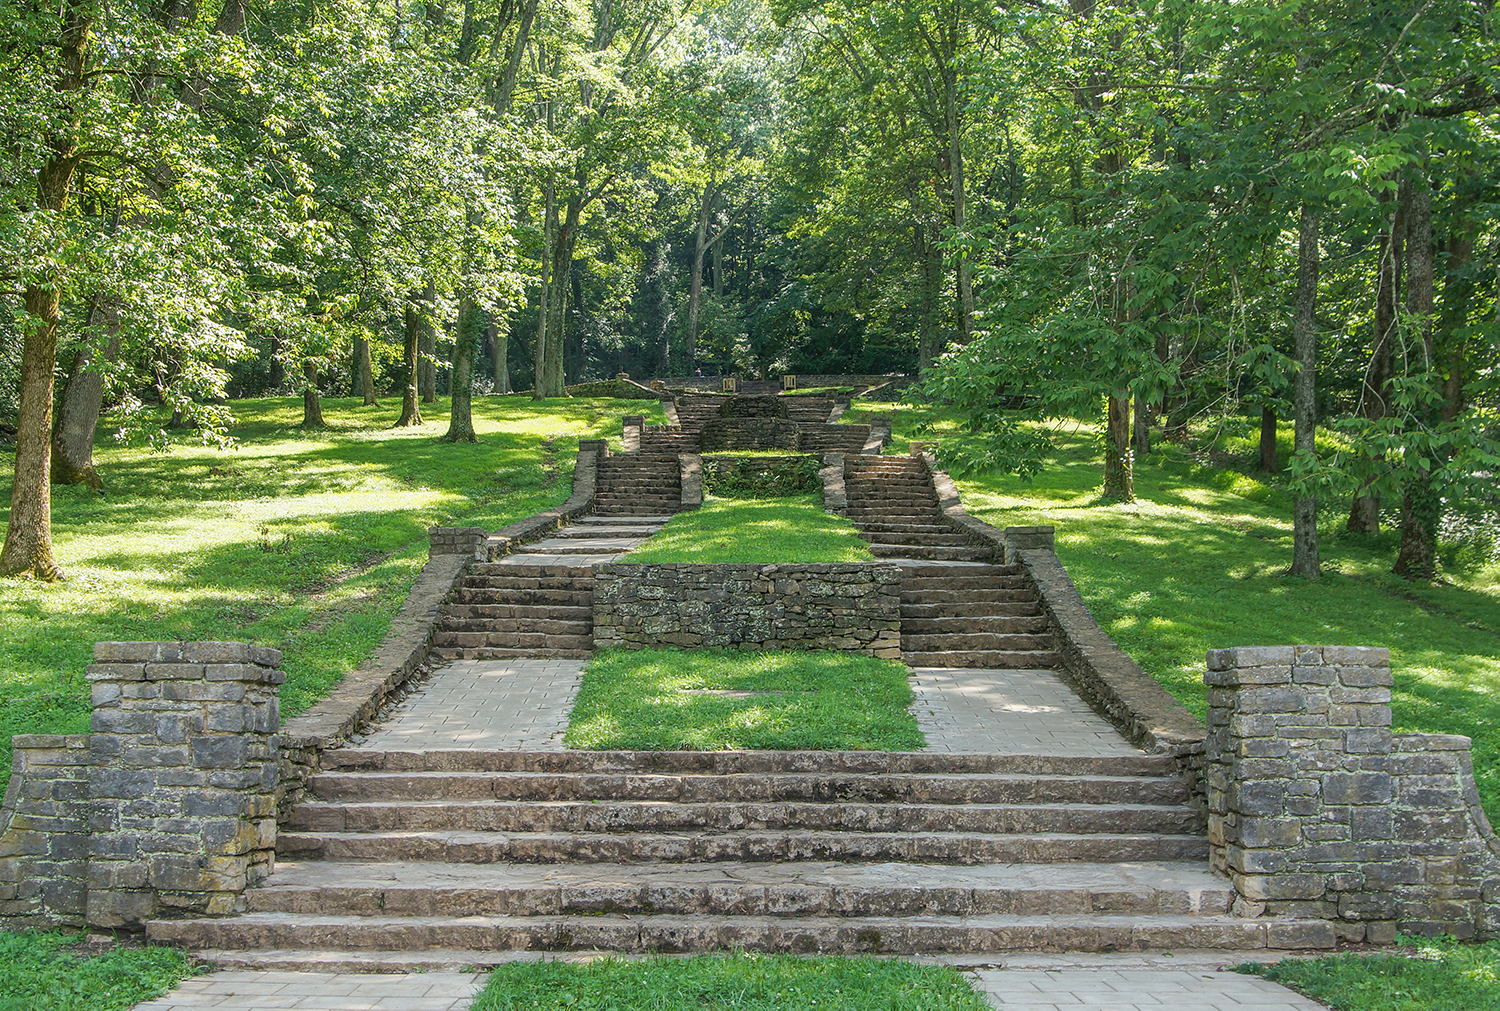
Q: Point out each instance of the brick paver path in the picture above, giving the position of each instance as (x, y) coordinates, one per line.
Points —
(322, 991)
(1009, 712)
(1136, 990)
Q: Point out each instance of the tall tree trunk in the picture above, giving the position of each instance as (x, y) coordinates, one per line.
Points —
(465, 348)
(499, 338)
(544, 292)
(1305, 561)
(1142, 438)
(78, 411)
(28, 536)
(1364, 512)
(930, 342)
(411, 411)
(960, 204)
(1119, 475)
(565, 241)
(695, 280)
(427, 365)
(1269, 464)
(312, 409)
(364, 373)
(1420, 505)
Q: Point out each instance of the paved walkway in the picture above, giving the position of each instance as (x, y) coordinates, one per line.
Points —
(1008, 989)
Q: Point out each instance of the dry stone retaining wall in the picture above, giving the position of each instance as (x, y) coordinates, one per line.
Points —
(169, 804)
(849, 607)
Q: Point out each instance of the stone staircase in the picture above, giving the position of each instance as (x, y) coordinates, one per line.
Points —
(809, 410)
(831, 438)
(695, 409)
(972, 615)
(503, 610)
(891, 501)
(668, 440)
(453, 857)
(638, 484)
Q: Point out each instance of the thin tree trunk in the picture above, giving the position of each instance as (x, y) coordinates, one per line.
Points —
(499, 338)
(1420, 506)
(28, 536)
(544, 296)
(1142, 427)
(465, 347)
(78, 413)
(427, 366)
(960, 206)
(1269, 464)
(411, 410)
(312, 409)
(1305, 560)
(695, 281)
(1119, 476)
(364, 372)
(1364, 512)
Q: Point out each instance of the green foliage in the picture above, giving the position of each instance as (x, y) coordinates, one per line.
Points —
(726, 477)
(754, 531)
(661, 700)
(305, 542)
(743, 982)
(1425, 974)
(44, 972)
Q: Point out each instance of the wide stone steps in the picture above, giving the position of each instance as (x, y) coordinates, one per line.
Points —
(718, 817)
(519, 612)
(941, 539)
(659, 933)
(349, 787)
(931, 597)
(970, 642)
(521, 597)
(966, 553)
(738, 889)
(494, 653)
(988, 659)
(453, 846)
(943, 623)
(915, 613)
(548, 626)
(808, 410)
(515, 639)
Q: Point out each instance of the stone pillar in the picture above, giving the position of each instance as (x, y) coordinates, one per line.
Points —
(44, 841)
(1299, 784)
(182, 794)
(632, 428)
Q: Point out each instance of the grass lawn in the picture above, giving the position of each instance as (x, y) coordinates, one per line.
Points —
(666, 700)
(44, 972)
(1428, 975)
(729, 983)
(304, 541)
(1198, 563)
(755, 531)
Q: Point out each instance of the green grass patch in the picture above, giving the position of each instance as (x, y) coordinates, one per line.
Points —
(1199, 562)
(668, 700)
(755, 531)
(304, 541)
(1427, 975)
(46, 972)
(729, 983)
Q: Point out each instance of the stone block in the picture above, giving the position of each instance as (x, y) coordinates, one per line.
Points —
(137, 652)
(1358, 788)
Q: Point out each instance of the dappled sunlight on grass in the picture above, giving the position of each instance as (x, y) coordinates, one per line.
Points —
(305, 541)
(755, 531)
(648, 700)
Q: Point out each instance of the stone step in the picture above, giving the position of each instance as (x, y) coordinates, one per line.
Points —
(656, 521)
(484, 596)
(960, 582)
(1115, 771)
(951, 571)
(735, 889)
(491, 653)
(520, 612)
(943, 539)
(974, 642)
(507, 639)
(754, 846)
(802, 935)
(907, 528)
(544, 626)
(991, 623)
(992, 659)
(627, 530)
(826, 788)
(982, 609)
(578, 574)
(720, 817)
(927, 551)
(1018, 595)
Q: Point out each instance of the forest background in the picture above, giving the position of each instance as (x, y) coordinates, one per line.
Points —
(1139, 214)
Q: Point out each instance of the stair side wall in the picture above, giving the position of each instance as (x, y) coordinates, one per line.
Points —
(1316, 809)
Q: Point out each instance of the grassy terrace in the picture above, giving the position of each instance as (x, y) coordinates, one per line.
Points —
(1198, 562)
(712, 700)
(307, 542)
(751, 531)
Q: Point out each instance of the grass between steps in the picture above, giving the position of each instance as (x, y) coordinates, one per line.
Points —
(659, 700)
(48, 972)
(304, 541)
(1427, 974)
(729, 983)
(1198, 562)
(755, 531)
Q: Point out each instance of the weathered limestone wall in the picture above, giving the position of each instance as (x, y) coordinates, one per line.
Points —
(1316, 809)
(169, 804)
(831, 606)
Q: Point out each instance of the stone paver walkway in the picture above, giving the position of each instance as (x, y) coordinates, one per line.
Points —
(1007, 989)
(322, 991)
(1136, 990)
(1016, 712)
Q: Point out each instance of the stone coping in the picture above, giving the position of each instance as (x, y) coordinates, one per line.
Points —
(1101, 672)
